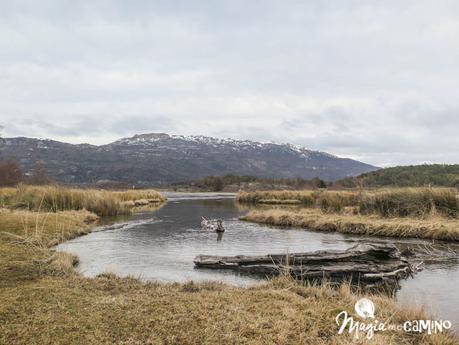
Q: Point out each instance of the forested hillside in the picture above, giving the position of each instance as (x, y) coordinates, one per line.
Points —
(403, 176)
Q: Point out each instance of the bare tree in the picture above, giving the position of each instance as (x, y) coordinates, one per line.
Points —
(10, 173)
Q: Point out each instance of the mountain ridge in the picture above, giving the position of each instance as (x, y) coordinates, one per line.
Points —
(160, 158)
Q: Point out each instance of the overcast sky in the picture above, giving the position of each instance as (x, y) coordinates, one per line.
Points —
(372, 80)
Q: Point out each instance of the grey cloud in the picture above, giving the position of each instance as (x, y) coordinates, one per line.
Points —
(377, 81)
(75, 125)
(141, 124)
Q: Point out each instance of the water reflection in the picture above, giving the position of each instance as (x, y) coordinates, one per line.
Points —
(219, 236)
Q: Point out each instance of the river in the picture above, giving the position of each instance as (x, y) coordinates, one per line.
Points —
(160, 245)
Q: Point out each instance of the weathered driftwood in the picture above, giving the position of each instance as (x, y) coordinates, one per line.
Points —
(372, 264)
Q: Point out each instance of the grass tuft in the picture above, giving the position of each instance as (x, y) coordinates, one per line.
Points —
(62, 263)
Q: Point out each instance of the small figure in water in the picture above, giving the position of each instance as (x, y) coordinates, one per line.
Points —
(220, 227)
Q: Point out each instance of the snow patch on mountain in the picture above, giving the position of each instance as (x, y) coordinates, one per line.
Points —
(154, 138)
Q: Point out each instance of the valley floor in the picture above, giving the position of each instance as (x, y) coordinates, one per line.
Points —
(43, 300)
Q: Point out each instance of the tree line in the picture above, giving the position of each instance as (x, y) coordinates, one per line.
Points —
(11, 174)
(218, 183)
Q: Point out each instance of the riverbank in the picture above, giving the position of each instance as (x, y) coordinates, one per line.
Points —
(438, 228)
(44, 300)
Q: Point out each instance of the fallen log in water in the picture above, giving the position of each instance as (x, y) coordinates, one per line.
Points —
(367, 264)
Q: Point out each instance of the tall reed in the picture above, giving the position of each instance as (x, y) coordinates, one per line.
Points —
(331, 201)
(304, 197)
(57, 198)
(415, 202)
(393, 202)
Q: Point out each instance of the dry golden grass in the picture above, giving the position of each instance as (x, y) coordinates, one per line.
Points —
(6, 194)
(333, 201)
(25, 238)
(439, 228)
(280, 202)
(391, 202)
(152, 196)
(57, 198)
(414, 202)
(305, 197)
(47, 228)
(107, 310)
(44, 301)
(110, 310)
(328, 201)
(62, 262)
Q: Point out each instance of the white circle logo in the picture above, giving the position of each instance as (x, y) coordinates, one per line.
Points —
(365, 308)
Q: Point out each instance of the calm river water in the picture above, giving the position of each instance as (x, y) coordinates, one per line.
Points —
(160, 245)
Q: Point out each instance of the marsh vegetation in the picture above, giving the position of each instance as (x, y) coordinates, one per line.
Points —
(43, 298)
(58, 198)
(390, 202)
(401, 212)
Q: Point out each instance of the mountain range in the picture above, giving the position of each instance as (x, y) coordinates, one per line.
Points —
(159, 159)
